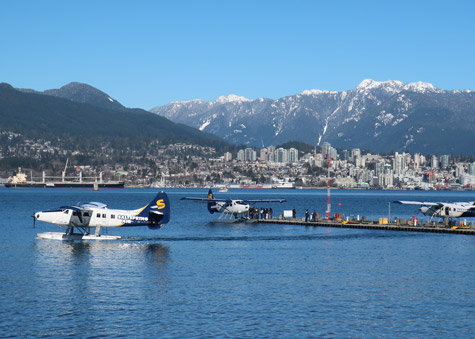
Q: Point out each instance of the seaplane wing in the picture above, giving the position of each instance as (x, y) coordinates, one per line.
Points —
(420, 203)
(229, 207)
(265, 200)
(205, 199)
(93, 204)
(96, 215)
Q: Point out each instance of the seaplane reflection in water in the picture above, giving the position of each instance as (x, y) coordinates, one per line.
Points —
(229, 207)
(96, 215)
(444, 209)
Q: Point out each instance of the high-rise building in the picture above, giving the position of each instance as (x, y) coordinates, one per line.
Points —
(434, 162)
(444, 161)
(263, 155)
(417, 160)
(355, 152)
(282, 155)
(345, 155)
(293, 155)
(319, 160)
(459, 170)
(399, 163)
(240, 155)
(270, 157)
(325, 148)
(250, 155)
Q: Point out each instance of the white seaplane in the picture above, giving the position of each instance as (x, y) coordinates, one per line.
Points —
(444, 210)
(96, 215)
(229, 207)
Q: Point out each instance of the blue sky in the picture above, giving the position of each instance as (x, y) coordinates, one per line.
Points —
(148, 53)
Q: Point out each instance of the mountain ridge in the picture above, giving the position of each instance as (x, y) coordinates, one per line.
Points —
(55, 113)
(377, 115)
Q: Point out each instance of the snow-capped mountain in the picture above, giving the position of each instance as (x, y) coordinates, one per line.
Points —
(380, 116)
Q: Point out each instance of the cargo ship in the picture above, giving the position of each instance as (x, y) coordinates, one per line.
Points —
(20, 181)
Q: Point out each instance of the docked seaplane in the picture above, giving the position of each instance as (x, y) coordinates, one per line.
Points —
(229, 207)
(96, 215)
(444, 209)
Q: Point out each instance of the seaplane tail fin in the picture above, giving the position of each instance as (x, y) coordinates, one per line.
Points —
(157, 211)
(211, 205)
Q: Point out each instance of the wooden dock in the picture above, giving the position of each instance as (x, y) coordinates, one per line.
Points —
(368, 225)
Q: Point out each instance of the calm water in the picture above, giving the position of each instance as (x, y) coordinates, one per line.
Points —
(197, 278)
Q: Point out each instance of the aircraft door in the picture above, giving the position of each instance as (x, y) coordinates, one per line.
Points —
(80, 218)
(447, 211)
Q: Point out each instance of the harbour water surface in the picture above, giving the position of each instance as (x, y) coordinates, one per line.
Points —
(200, 278)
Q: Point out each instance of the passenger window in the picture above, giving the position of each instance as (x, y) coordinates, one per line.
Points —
(112, 216)
(104, 215)
(98, 215)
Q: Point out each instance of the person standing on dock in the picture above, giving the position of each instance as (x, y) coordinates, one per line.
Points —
(294, 214)
(306, 215)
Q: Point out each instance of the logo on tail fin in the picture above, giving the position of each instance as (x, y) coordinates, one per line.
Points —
(161, 204)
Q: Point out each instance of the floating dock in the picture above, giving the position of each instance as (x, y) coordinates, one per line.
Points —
(431, 228)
